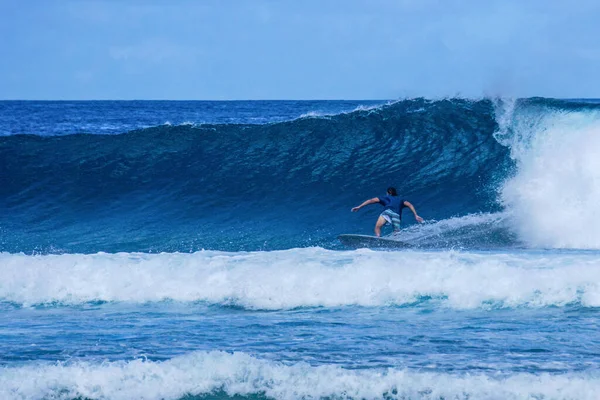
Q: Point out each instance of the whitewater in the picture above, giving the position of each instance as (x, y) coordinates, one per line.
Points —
(310, 277)
(188, 250)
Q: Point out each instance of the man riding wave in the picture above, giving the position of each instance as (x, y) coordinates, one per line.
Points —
(392, 214)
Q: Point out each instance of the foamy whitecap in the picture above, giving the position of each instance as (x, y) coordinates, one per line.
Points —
(309, 277)
(555, 193)
(204, 373)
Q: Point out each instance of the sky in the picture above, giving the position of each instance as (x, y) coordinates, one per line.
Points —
(298, 49)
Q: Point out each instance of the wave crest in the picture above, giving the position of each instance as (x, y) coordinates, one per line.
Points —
(554, 193)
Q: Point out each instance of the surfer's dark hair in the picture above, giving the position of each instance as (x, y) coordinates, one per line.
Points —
(392, 191)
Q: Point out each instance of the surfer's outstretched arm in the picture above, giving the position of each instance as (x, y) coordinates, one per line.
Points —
(407, 204)
(374, 200)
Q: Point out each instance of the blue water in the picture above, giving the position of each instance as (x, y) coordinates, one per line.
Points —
(187, 250)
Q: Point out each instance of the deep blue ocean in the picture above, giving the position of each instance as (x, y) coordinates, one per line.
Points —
(188, 250)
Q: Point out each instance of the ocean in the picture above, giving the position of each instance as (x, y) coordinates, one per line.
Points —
(181, 250)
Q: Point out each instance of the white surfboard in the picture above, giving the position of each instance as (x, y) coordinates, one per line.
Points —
(358, 241)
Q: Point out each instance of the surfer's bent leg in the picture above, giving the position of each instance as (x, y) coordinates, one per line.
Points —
(381, 221)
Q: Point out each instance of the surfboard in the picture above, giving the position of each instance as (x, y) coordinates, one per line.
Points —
(358, 241)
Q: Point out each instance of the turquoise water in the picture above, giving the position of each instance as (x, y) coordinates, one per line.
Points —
(167, 263)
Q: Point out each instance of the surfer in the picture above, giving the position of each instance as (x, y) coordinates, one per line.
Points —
(392, 214)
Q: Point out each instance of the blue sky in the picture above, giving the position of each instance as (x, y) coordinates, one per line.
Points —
(298, 49)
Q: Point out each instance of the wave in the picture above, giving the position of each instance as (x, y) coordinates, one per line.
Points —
(310, 277)
(244, 187)
(554, 195)
(110, 117)
(224, 375)
(237, 187)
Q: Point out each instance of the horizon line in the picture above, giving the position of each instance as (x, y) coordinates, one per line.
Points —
(330, 99)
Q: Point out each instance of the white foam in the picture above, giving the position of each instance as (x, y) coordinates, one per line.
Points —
(432, 229)
(555, 196)
(240, 374)
(327, 115)
(305, 278)
(316, 114)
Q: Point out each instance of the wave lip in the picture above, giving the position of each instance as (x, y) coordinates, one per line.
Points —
(310, 277)
(204, 373)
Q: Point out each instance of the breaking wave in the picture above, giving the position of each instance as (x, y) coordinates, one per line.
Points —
(311, 277)
(291, 184)
(219, 375)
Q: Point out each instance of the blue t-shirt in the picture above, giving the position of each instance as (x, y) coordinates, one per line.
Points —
(394, 203)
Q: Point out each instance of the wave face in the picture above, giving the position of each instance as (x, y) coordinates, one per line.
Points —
(244, 187)
(219, 375)
(307, 278)
(485, 174)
